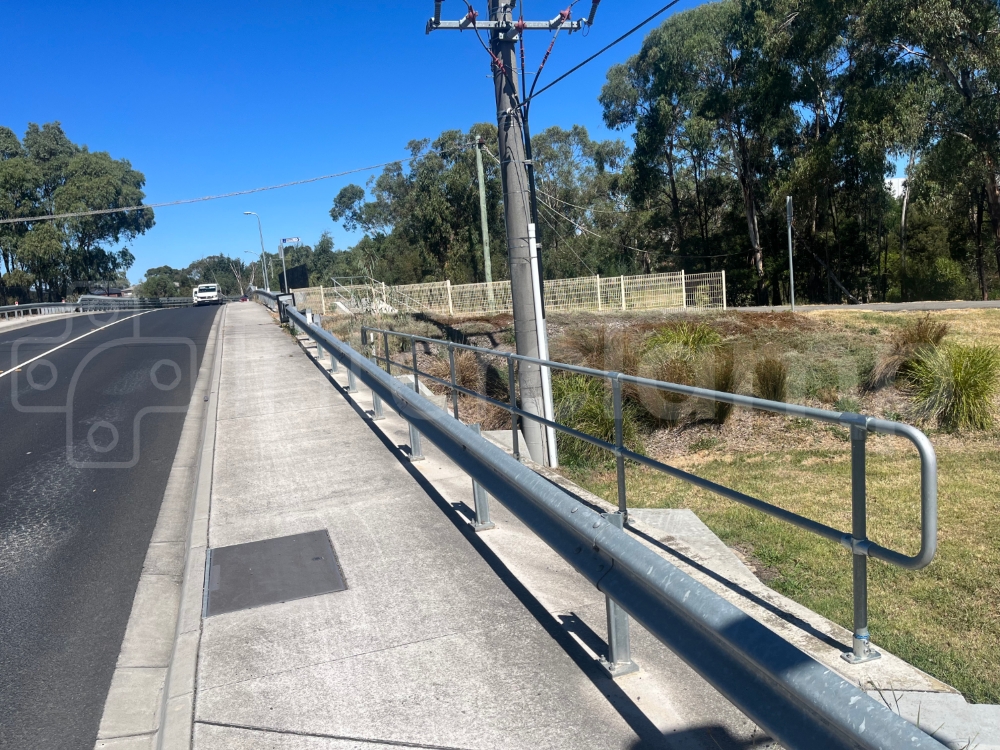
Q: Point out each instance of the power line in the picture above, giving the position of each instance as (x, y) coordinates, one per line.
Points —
(104, 211)
(600, 52)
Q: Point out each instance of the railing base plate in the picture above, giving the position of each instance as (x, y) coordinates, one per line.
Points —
(618, 669)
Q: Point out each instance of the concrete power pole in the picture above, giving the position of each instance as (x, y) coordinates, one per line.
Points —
(529, 323)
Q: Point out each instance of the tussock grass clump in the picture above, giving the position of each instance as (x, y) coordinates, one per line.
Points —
(724, 379)
(693, 336)
(602, 349)
(770, 378)
(955, 385)
(585, 404)
(904, 347)
(668, 364)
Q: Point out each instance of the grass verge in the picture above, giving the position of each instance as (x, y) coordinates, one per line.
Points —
(943, 619)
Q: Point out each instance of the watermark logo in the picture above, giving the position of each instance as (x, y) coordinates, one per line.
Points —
(110, 389)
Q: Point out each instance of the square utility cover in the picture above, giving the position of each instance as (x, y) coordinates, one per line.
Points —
(271, 571)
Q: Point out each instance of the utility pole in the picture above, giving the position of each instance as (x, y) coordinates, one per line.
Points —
(487, 262)
(530, 334)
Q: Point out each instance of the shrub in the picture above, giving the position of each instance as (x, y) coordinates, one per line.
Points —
(585, 404)
(955, 385)
(770, 379)
(904, 347)
(693, 336)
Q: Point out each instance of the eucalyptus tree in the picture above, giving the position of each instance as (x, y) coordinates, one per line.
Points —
(46, 173)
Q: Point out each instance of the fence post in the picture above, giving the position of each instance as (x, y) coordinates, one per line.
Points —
(862, 650)
(622, 279)
(684, 296)
(723, 289)
(619, 660)
(322, 300)
(451, 307)
(598, 278)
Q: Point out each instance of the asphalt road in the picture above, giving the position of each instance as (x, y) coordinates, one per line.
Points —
(88, 435)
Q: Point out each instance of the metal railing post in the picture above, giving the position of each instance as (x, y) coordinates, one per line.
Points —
(616, 388)
(513, 405)
(416, 452)
(481, 501)
(352, 382)
(862, 650)
(377, 412)
(454, 381)
(388, 359)
(619, 660)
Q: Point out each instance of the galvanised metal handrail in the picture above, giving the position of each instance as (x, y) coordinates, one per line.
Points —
(801, 703)
(859, 425)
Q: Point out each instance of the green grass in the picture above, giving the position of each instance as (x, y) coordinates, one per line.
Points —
(693, 336)
(955, 385)
(944, 619)
(585, 404)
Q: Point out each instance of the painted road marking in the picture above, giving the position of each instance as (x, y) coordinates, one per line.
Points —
(71, 341)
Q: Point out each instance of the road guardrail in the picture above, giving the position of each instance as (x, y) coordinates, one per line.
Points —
(800, 702)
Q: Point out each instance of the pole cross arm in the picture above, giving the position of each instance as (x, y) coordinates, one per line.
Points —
(505, 28)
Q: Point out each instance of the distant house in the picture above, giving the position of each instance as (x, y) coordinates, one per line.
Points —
(128, 291)
(106, 291)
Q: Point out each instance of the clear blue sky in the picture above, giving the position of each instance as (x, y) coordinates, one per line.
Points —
(212, 97)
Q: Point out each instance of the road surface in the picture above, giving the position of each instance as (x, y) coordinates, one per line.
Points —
(88, 433)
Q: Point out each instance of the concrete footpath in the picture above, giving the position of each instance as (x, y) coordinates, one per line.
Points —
(437, 641)
(443, 638)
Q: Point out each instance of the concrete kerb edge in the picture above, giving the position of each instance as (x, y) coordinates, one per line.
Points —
(177, 699)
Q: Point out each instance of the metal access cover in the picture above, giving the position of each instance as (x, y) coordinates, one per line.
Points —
(274, 570)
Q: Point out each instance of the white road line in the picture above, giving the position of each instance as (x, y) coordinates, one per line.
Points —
(19, 365)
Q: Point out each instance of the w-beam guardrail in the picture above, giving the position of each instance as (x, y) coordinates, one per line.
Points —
(92, 303)
(801, 703)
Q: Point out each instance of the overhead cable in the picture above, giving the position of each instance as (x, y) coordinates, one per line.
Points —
(103, 211)
(600, 52)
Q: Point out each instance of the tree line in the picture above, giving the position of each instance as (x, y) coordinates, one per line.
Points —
(732, 107)
(726, 111)
(45, 173)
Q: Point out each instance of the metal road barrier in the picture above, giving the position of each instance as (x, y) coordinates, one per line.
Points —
(856, 540)
(92, 303)
(798, 701)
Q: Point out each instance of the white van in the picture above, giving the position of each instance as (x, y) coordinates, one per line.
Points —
(207, 294)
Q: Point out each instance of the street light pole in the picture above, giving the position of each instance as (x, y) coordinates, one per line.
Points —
(267, 284)
(284, 271)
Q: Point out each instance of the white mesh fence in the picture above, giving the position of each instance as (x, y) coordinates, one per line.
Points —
(658, 291)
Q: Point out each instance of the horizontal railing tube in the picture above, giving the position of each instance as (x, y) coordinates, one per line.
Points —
(798, 701)
(928, 460)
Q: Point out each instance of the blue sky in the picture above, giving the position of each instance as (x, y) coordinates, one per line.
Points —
(212, 97)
